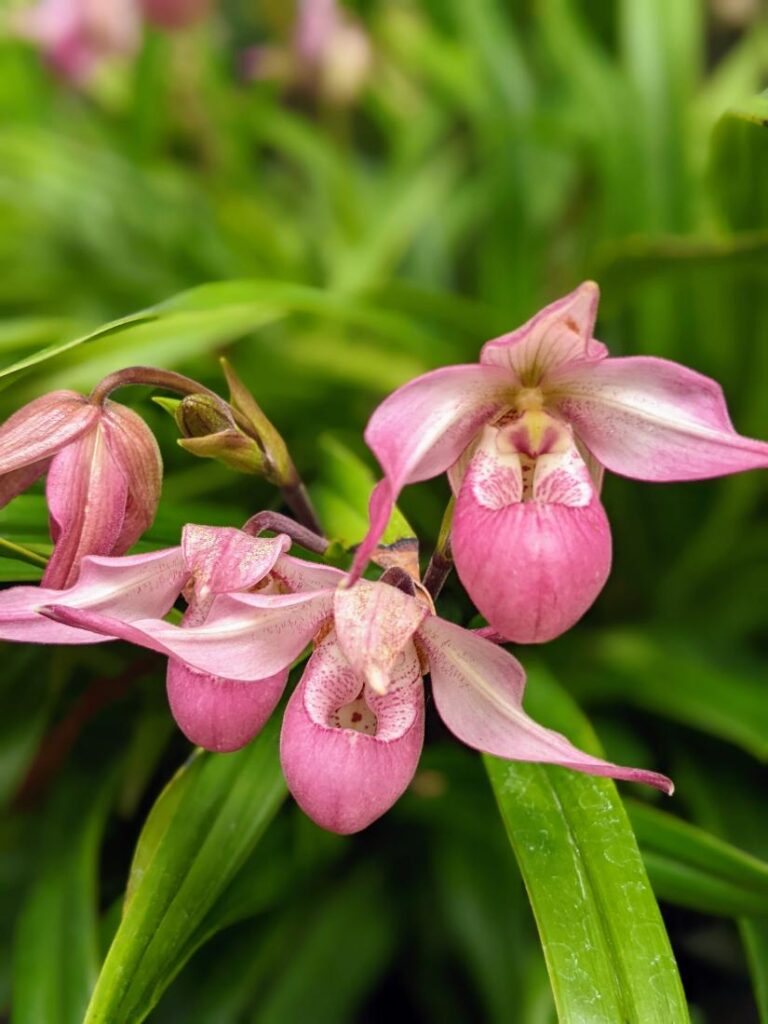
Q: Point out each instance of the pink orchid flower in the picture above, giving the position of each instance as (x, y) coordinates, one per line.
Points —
(524, 436)
(76, 35)
(212, 710)
(354, 726)
(104, 475)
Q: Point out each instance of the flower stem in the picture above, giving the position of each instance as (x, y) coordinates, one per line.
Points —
(441, 562)
(297, 499)
(151, 376)
(278, 523)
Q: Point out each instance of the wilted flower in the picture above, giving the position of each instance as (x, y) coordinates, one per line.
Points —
(524, 436)
(104, 475)
(75, 35)
(353, 729)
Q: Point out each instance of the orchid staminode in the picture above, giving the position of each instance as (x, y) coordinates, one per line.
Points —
(104, 475)
(354, 726)
(524, 436)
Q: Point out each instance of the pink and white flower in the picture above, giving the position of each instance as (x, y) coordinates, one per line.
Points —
(524, 436)
(76, 35)
(353, 728)
(104, 475)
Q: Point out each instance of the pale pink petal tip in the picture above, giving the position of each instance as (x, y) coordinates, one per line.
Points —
(348, 755)
(221, 714)
(478, 690)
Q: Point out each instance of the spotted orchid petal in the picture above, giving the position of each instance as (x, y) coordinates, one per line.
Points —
(560, 334)
(421, 429)
(296, 574)
(37, 431)
(530, 539)
(478, 690)
(652, 419)
(244, 637)
(221, 714)
(87, 493)
(374, 623)
(347, 753)
(223, 560)
(132, 587)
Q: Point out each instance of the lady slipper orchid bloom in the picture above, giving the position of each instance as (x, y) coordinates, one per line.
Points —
(104, 475)
(353, 728)
(212, 710)
(76, 35)
(524, 436)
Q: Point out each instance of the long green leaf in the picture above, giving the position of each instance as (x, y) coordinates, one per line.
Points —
(57, 934)
(197, 837)
(605, 944)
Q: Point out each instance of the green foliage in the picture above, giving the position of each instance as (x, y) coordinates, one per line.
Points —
(500, 153)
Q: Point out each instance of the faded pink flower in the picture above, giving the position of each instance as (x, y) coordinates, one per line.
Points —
(353, 728)
(76, 35)
(524, 436)
(104, 475)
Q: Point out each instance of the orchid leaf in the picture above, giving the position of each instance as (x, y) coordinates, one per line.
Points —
(341, 493)
(57, 932)
(197, 837)
(604, 941)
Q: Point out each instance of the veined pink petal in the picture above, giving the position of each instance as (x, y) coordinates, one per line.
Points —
(532, 567)
(221, 714)
(133, 587)
(223, 559)
(87, 494)
(244, 637)
(19, 480)
(421, 429)
(374, 623)
(300, 575)
(135, 451)
(478, 690)
(652, 419)
(348, 754)
(43, 427)
(559, 334)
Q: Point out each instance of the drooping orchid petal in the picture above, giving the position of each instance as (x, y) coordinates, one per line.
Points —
(422, 429)
(244, 637)
(87, 494)
(530, 539)
(37, 431)
(348, 754)
(654, 420)
(133, 587)
(221, 714)
(374, 623)
(478, 690)
(560, 334)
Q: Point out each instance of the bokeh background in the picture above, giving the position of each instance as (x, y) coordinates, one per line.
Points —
(437, 172)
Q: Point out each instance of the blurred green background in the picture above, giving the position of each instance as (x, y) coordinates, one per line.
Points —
(487, 156)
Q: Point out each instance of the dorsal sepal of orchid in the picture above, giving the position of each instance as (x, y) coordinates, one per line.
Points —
(375, 622)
